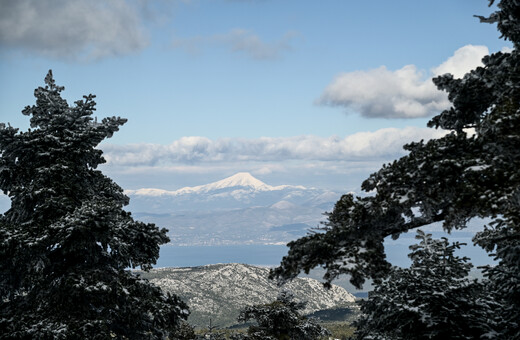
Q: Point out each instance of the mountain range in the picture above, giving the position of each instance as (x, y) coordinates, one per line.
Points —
(218, 292)
(241, 190)
(241, 180)
(236, 210)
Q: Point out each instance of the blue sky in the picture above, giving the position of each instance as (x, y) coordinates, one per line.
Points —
(315, 93)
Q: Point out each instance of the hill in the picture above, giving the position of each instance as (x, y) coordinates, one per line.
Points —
(219, 291)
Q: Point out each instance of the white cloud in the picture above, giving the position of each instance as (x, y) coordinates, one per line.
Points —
(336, 175)
(464, 59)
(381, 145)
(241, 41)
(337, 163)
(384, 93)
(81, 29)
(404, 93)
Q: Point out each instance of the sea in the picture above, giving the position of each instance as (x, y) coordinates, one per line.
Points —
(192, 256)
(271, 255)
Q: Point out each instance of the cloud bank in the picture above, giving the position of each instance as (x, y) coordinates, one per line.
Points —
(381, 144)
(404, 93)
(80, 29)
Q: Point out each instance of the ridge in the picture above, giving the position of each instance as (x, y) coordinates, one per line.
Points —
(219, 291)
(240, 179)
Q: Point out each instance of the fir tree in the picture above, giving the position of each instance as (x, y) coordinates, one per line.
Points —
(433, 299)
(471, 172)
(66, 243)
(280, 320)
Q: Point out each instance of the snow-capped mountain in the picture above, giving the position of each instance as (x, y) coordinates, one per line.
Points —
(239, 181)
(238, 191)
(239, 209)
(220, 291)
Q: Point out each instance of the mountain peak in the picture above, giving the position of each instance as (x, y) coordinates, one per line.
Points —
(241, 179)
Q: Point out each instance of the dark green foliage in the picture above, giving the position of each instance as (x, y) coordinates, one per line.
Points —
(471, 172)
(339, 330)
(504, 278)
(184, 332)
(433, 299)
(66, 242)
(280, 320)
(336, 314)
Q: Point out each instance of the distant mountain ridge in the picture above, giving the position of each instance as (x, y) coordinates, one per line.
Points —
(241, 179)
(241, 190)
(239, 209)
(219, 291)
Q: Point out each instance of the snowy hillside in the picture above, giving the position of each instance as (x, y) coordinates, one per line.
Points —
(220, 291)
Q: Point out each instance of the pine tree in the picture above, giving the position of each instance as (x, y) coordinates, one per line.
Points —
(66, 243)
(471, 172)
(433, 299)
(280, 320)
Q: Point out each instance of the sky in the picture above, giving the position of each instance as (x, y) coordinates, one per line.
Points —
(313, 93)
